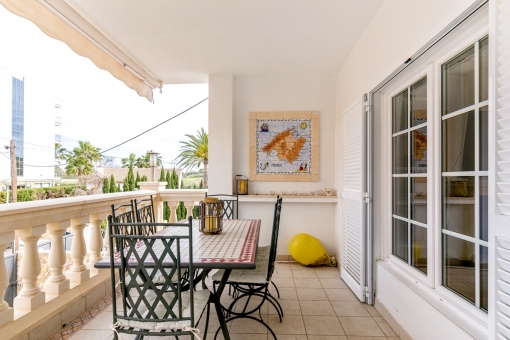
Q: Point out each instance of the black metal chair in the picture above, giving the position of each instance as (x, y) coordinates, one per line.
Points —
(151, 309)
(144, 213)
(254, 282)
(127, 216)
(230, 208)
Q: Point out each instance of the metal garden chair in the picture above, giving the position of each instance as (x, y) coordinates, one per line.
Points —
(230, 208)
(144, 212)
(255, 282)
(124, 213)
(152, 309)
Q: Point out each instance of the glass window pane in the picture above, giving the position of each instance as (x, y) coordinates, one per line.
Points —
(459, 266)
(419, 244)
(400, 241)
(484, 278)
(458, 76)
(484, 138)
(400, 112)
(400, 195)
(419, 102)
(459, 143)
(459, 205)
(419, 199)
(400, 154)
(484, 69)
(419, 151)
(484, 208)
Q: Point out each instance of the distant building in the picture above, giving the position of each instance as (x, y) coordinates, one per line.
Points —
(30, 116)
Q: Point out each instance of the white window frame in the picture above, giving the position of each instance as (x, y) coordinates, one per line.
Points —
(433, 280)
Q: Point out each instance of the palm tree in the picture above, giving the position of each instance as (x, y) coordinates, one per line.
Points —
(128, 162)
(60, 152)
(195, 152)
(81, 160)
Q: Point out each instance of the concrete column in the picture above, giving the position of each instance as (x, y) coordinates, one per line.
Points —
(173, 210)
(221, 137)
(6, 312)
(30, 296)
(78, 272)
(189, 208)
(57, 283)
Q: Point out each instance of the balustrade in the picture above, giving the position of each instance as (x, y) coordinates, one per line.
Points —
(30, 220)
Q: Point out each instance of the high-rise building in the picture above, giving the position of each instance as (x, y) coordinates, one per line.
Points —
(31, 117)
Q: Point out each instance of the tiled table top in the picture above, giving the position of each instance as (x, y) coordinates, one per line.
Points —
(234, 248)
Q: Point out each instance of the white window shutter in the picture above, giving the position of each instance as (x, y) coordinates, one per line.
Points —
(353, 245)
(499, 218)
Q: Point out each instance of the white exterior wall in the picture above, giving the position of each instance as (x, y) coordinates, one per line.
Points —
(397, 31)
(39, 131)
(288, 94)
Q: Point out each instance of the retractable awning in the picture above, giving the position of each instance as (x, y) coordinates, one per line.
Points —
(60, 21)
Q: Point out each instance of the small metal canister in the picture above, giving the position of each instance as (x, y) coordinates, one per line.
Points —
(241, 185)
(211, 215)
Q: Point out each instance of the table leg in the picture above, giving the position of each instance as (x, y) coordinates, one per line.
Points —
(217, 303)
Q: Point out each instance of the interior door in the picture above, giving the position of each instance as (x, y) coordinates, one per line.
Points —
(353, 155)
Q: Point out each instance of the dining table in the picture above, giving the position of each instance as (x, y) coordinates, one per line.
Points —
(235, 247)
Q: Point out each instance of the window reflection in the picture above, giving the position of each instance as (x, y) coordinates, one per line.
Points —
(400, 113)
(419, 199)
(484, 138)
(400, 196)
(419, 102)
(459, 143)
(419, 242)
(459, 266)
(484, 208)
(400, 154)
(459, 205)
(400, 239)
(484, 69)
(419, 151)
(484, 278)
(459, 82)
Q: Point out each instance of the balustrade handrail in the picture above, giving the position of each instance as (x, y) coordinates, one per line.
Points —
(15, 216)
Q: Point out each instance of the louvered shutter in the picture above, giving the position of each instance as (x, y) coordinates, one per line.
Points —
(353, 206)
(499, 222)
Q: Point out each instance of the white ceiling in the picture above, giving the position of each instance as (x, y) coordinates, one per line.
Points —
(182, 41)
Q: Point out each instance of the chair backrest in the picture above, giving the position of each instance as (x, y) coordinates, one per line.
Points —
(145, 258)
(127, 216)
(230, 208)
(144, 213)
(274, 237)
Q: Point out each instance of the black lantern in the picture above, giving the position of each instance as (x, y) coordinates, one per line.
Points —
(211, 215)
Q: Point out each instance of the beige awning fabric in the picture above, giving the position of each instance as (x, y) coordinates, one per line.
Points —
(85, 40)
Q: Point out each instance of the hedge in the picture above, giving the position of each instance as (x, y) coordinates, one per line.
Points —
(33, 194)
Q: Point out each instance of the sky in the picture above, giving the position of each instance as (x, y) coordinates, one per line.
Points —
(97, 107)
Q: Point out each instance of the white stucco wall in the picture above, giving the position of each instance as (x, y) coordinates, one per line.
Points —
(288, 94)
(397, 31)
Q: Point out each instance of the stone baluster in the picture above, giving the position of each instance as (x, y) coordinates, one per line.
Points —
(96, 242)
(30, 295)
(78, 272)
(106, 241)
(173, 210)
(189, 208)
(6, 312)
(57, 283)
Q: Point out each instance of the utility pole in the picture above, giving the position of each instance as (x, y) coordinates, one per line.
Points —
(14, 174)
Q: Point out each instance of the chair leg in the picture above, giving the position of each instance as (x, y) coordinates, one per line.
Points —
(247, 317)
(277, 291)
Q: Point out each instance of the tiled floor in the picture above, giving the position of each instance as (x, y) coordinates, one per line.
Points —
(317, 306)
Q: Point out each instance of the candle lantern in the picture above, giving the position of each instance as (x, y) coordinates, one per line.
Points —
(241, 185)
(211, 215)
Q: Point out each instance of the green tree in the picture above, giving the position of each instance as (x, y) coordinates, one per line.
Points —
(166, 211)
(162, 175)
(168, 180)
(106, 186)
(125, 185)
(60, 152)
(201, 186)
(182, 184)
(181, 211)
(129, 161)
(137, 180)
(81, 160)
(118, 188)
(194, 152)
(130, 180)
(113, 188)
(194, 185)
(174, 180)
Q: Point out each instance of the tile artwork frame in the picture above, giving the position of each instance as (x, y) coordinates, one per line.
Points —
(313, 117)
